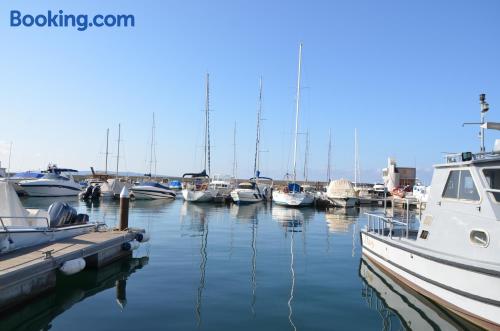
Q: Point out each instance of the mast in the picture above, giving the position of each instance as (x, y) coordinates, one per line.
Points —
(306, 156)
(207, 127)
(234, 152)
(107, 153)
(355, 158)
(151, 149)
(357, 171)
(328, 173)
(297, 116)
(256, 164)
(118, 150)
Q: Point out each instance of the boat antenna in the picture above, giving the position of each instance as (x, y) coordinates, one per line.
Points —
(256, 164)
(357, 172)
(297, 109)
(118, 150)
(484, 108)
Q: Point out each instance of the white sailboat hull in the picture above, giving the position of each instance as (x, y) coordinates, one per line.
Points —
(472, 292)
(243, 196)
(293, 199)
(198, 196)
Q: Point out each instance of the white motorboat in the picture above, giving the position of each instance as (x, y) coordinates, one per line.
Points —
(151, 190)
(198, 189)
(454, 256)
(255, 190)
(293, 195)
(221, 185)
(342, 193)
(56, 182)
(20, 227)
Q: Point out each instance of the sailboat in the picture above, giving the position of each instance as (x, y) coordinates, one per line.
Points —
(293, 195)
(151, 189)
(197, 189)
(257, 188)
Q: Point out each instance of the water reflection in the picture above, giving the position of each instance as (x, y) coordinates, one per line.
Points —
(39, 314)
(400, 307)
(291, 219)
(341, 219)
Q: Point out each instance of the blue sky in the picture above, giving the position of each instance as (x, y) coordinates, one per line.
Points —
(405, 74)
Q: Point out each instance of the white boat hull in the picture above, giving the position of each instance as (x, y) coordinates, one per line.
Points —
(245, 196)
(152, 193)
(293, 199)
(22, 237)
(472, 293)
(50, 191)
(198, 196)
(345, 202)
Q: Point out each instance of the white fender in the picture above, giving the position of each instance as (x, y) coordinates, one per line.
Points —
(143, 237)
(72, 267)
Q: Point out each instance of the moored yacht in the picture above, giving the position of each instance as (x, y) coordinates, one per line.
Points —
(151, 190)
(197, 189)
(293, 195)
(56, 182)
(342, 193)
(255, 190)
(453, 257)
(258, 188)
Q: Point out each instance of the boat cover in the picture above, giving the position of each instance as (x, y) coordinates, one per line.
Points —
(341, 188)
(294, 187)
(10, 206)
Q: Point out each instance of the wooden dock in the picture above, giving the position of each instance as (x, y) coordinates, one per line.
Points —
(26, 273)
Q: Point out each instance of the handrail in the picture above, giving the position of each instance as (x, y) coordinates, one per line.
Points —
(380, 228)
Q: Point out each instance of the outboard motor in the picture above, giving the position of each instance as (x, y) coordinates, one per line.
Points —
(96, 192)
(87, 193)
(61, 214)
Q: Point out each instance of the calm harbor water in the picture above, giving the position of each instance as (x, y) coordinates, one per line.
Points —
(232, 267)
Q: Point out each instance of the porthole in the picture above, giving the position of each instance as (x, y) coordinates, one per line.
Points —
(479, 238)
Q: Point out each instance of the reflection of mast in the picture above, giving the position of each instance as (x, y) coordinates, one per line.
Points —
(254, 263)
(293, 282)
(203, 264)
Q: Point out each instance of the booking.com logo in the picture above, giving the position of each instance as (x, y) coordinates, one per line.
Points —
(81, 22)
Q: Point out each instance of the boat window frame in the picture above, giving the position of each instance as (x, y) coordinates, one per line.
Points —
(457, 199)
(487, 185)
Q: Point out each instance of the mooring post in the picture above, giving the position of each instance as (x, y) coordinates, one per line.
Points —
(124, 204)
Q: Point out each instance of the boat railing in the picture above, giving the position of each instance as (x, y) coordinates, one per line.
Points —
(384, 225)
(6, 229)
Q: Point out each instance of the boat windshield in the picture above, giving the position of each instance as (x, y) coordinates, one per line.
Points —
(249, 186)
(54, 176)
(153, 184)
(492, 176)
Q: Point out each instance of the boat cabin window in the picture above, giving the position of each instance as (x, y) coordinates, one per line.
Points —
(493, 179)
(460, 185)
